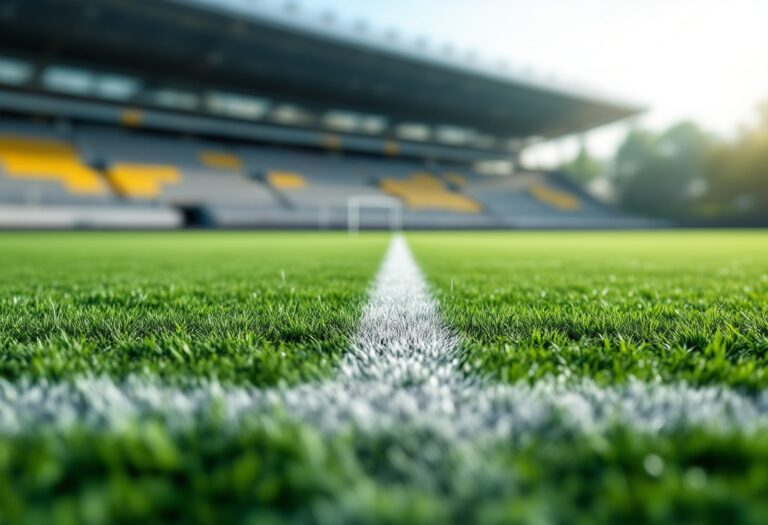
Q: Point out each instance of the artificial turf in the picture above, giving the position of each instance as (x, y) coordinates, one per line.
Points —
(258, 309)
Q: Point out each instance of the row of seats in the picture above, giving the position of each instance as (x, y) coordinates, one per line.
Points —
(250, 185)
(32, 159)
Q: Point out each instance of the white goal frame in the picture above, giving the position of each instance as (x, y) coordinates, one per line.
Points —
(355, 203)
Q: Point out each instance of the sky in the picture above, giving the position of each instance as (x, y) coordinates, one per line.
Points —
(702, 60)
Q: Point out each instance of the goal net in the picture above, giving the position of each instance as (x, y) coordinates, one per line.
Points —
(358, 203)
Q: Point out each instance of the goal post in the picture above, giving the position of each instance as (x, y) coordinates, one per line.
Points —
(356, 203)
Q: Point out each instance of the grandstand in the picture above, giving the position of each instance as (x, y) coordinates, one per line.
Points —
(240, 115)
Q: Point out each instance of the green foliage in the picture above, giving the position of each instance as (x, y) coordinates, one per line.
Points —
(662, 175)
(583, 168)
(738, 173)
(684, 173)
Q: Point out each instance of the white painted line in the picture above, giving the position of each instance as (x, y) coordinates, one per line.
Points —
(401, 339)
(401, 373)
(515, 413)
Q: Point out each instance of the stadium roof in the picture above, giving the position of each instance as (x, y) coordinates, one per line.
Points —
(277, 50)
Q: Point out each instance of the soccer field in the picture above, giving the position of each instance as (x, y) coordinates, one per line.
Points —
(327, 378)
(607, 306)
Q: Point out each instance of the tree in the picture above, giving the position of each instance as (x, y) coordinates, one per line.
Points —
(583, 168)
(662, 175)
(738, 172)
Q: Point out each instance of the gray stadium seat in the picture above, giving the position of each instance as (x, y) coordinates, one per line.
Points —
(40, 165)
(182, 171)
(514, 201)
(330, 180)
(111, 174)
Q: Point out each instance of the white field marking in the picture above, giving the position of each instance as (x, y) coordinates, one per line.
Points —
(401, 374)
(401, 339)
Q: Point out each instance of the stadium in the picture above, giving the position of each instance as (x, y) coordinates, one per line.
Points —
(494, 344)
(116, 130)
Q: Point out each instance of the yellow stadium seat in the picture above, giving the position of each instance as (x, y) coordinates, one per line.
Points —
(142, 180)
(219, 160)
(50, 160)
(422, 191)
(455, 178)
(556, 198)
(286, 180)
(131, 118)
(391, 148)
(332, 142)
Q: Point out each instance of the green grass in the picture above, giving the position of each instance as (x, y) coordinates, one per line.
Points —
(679, 306)
(687, 306)
(283, 473)
(240, 307)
